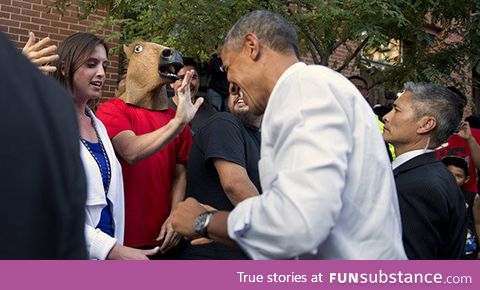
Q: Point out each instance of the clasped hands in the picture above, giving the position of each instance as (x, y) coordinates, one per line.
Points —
(183, 218)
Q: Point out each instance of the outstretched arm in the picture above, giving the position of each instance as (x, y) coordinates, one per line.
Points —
(466, 134)
(235, 181)
(134, 148)
(41, 53)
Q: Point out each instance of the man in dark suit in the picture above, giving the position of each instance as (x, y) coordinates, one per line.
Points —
(42, 182)
(431, 205)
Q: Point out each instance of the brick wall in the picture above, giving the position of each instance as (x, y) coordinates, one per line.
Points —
(18, 17)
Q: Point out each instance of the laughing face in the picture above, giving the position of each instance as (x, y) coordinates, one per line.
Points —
(88, 80)
(236, 101)
(245, 73)
(194, 84)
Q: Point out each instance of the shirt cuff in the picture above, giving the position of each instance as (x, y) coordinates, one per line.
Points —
(100, 245)
(239, 220)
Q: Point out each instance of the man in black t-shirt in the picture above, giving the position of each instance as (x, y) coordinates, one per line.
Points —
(223, 169)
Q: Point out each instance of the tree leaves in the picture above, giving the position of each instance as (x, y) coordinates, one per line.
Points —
(197, 28)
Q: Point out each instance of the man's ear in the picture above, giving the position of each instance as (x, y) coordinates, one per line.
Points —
(426, 124)
(252, 45)
(467, 178)
(62, 68)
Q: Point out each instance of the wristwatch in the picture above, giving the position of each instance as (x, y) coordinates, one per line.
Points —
(201, 223)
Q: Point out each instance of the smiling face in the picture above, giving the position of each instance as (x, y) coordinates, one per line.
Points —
(194, 84)
(246, 73)
(459, 175)
(238, 107)
(89, 78)
(236, 102)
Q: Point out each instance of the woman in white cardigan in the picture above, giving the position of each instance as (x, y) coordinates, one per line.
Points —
(81, 68)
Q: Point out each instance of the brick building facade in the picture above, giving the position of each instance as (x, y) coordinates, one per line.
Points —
(18, 17)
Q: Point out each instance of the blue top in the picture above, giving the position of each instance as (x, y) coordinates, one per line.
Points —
(106, 219)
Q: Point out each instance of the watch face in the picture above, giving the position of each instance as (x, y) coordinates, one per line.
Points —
(199, 224)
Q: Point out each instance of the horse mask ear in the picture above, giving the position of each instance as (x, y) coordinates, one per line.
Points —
(127, 50)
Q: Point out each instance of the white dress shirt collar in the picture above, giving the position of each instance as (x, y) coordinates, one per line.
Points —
(407, 156)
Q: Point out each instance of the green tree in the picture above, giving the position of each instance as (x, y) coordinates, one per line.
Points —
(361, 26)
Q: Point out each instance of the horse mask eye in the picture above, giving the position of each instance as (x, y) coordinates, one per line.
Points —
(138, 48)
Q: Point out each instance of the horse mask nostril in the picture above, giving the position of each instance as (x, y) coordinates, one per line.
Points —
(170, 63)
(167, 53)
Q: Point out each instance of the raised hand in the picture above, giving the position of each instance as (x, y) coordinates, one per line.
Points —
(41, 53)
(465, 132)
(186, 109)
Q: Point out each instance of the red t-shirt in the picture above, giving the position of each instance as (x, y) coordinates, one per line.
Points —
(459, 147)
(148, 183)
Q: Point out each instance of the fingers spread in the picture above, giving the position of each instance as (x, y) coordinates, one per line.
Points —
(45, 59)
(47, 69)
(198, 103)
(31, 40)
(161, 235)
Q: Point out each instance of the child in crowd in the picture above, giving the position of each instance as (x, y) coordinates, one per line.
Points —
(459, 168)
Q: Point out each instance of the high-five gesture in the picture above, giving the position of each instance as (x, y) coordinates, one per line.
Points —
(186, 109)
(41, 53)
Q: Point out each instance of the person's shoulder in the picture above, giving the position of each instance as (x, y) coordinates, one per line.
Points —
(317, 68)
(322, 75)
(223, 117)
(207, 107)
(112, 108)
(438, 176)
(116, 102)
(427, 177)
(421, 168)
(222, 121)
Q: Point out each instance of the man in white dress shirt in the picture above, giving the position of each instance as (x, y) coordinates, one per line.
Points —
(328, 188)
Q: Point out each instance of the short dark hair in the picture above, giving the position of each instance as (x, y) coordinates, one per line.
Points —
(457, 91)
(269, 27)
(457, 162)
(350, 78)
(190, 62)
(73, 51)
(474, 121)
